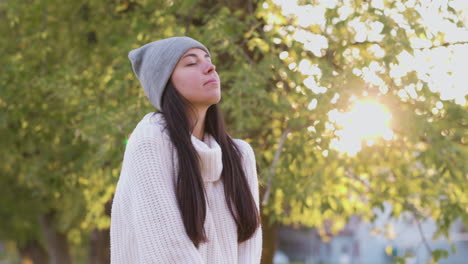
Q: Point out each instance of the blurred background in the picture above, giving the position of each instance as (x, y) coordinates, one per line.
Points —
(356, 110)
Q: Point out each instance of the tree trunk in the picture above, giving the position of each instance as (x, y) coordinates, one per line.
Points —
(99, 246)
(270, 234)
(57, 243)
(33, 252)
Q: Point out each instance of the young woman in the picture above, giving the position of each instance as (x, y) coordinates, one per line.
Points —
(187, 192)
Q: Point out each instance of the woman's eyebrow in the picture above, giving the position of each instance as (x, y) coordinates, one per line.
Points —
(195, 55)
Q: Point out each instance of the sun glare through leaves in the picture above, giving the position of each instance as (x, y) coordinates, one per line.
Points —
(367, 122)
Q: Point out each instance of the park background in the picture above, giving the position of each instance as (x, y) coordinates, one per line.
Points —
(356, 111)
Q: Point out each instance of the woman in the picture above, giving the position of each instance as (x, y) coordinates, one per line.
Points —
(187, 192)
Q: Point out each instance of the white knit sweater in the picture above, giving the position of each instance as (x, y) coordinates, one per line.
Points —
(146, 224)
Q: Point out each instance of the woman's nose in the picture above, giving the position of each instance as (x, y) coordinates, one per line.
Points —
(209, 67)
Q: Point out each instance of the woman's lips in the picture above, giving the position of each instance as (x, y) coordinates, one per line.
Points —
(211, 81)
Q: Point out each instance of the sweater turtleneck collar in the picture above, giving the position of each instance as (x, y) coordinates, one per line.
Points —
(211, 162)
(209, 151)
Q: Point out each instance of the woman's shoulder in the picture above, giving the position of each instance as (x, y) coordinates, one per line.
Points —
(248, 160)
(151, 127)
(245, 148)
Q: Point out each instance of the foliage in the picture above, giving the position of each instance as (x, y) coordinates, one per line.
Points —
(69, 100)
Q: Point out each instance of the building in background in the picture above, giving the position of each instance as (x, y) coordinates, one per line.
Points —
(359, 242)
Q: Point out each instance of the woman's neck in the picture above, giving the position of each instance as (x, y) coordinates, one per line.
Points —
(197, 123)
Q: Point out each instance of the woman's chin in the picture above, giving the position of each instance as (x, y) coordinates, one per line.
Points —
(207, 102)
(215, 100)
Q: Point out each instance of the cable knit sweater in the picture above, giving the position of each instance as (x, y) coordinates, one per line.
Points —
(146, 224)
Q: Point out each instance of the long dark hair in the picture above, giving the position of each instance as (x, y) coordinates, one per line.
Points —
(189, 185)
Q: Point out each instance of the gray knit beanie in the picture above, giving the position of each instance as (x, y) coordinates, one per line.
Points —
(153, 63)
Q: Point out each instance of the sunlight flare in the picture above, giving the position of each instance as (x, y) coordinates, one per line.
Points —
(367, 122)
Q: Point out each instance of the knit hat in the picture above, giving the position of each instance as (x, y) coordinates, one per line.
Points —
(154, 62)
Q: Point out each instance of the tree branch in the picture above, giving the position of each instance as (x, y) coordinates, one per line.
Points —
(365, 43)
(426, 244)
(271, 171)
(446, 44)
(250, 6)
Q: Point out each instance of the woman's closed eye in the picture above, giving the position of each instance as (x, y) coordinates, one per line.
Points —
(195, 62)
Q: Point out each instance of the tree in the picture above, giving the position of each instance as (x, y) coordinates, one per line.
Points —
(69, 100)
(313, 182)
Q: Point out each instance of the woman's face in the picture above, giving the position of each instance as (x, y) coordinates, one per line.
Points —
(196, 79)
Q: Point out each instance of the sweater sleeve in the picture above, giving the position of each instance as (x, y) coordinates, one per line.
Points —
(159, 232)
(250, 251)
